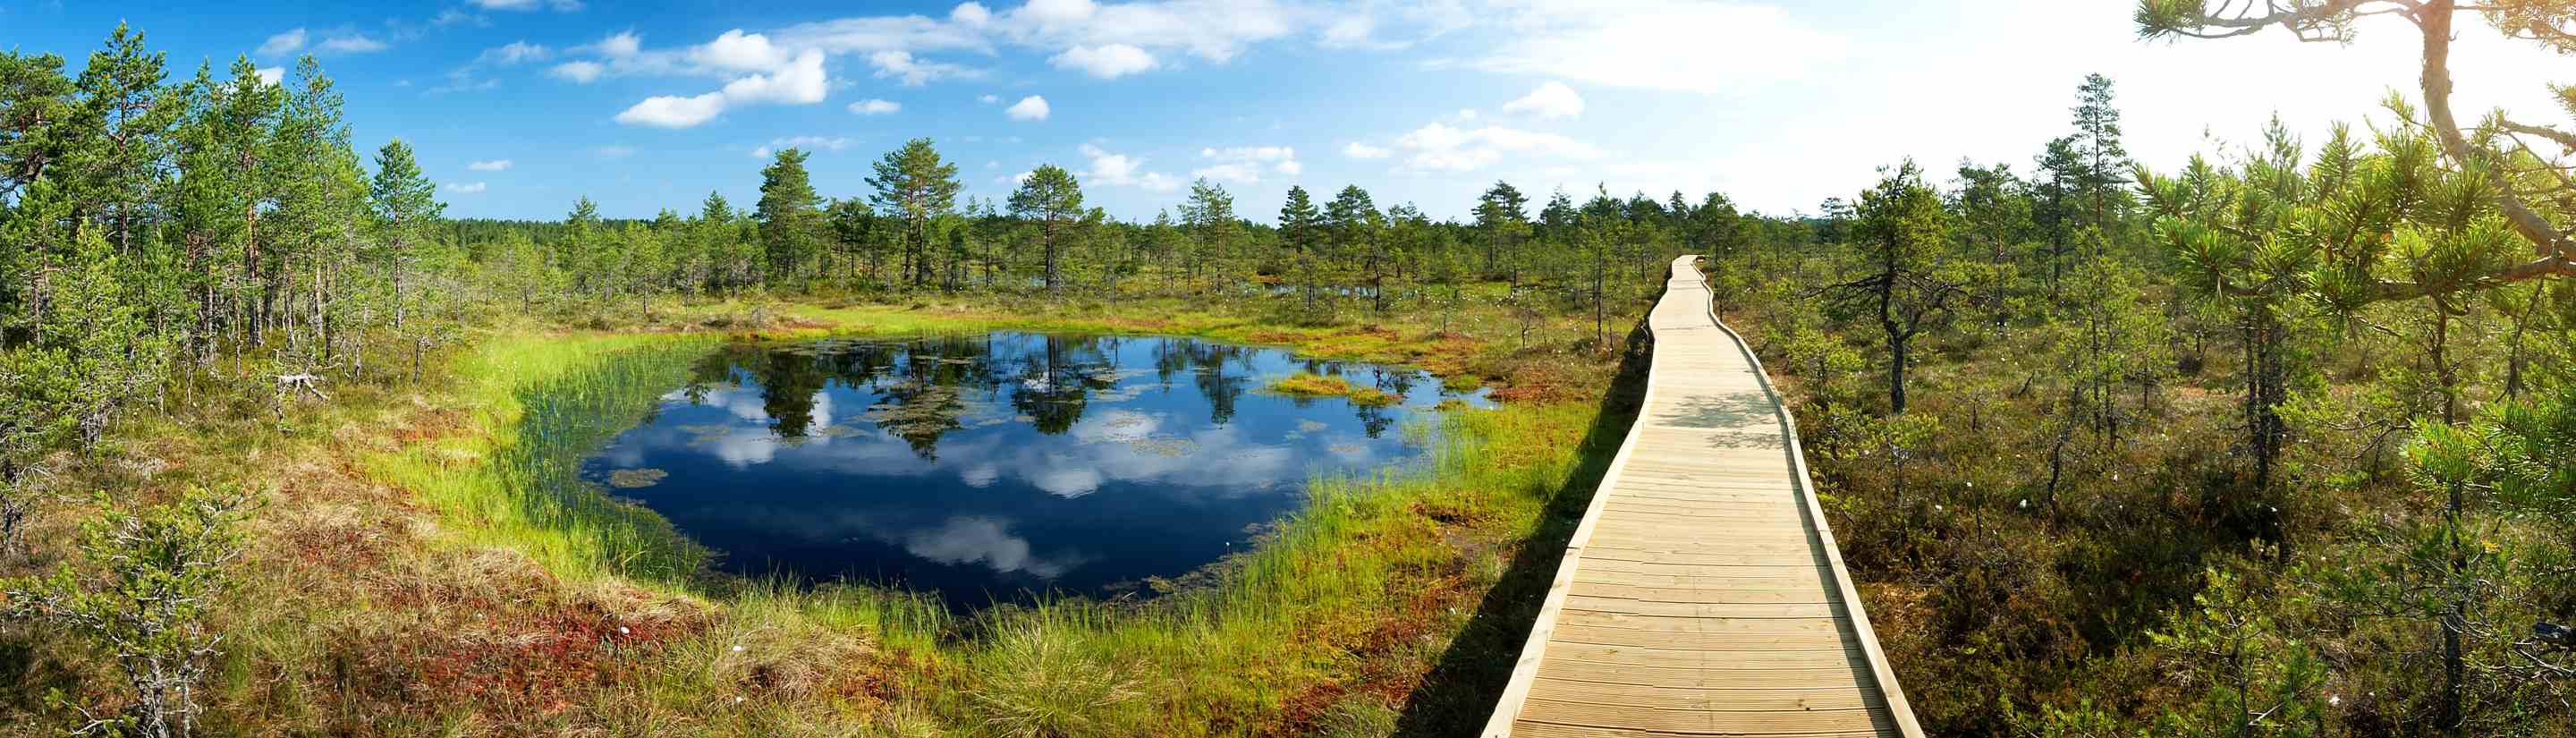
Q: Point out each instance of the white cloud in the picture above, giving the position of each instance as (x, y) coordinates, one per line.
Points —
(1244, 164)
(452, 16)
(800, 82)
(914, 72)
(1059, 11)
(465, 188)
(1439, 147)
(339, 41)
(1254, 153)
(1352, 30)
(1357, 150)
(988, 99)
(614, 152)
(741, 52)
(1109, 61)
(562, 5)
(495, 165)
(1550, 100)
(515, 52)
(971, 14)
(1121, 170)
(670, 111)
(283, 44)
(349, 43)
(810, 144)
(874, 106)
(272, 75)
(1029, 108)
(578, 72)
(1677, 45)
(619, 45)
(1232, 173)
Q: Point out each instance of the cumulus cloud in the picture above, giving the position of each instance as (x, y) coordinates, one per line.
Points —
(578, 72)
(272, 75)
(1550, 100)
(874, 106)
(495, 165)
(349, 43)
(1107, 61)
(810, 144)
(798, 81)
(1357, 150)
(672, 111)
(282, 44)
(1121, 170)
(902, 66)
(515, 52)
(738, 51)
(464, 188)
(1029, 108)
(1439, 147)
(620, 45)
(336, 41)
(971, 14)
(453, 16)
(1245, 164)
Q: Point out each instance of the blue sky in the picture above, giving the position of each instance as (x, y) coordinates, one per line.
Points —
(519, 106)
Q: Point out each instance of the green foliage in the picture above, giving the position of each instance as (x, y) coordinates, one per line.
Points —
(150, 583)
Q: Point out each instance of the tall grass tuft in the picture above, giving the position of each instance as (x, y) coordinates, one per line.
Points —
(549, 404)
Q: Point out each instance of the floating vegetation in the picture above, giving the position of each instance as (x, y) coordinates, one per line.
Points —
(1317, 385)
(636, 478)
(702, 435)
(1163, 445)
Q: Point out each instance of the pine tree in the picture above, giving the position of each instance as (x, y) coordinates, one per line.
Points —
(1052, 198)
(791, 222)
(914, 185)
(1502, 220)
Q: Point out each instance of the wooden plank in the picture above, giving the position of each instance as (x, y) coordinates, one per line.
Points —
(1722, 722)
(1536, 729)
(1701, 593)
(1704, 698)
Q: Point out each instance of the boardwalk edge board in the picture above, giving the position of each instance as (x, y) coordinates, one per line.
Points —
(1889, 696)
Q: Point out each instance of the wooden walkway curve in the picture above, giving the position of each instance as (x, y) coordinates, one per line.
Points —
(1703, 594)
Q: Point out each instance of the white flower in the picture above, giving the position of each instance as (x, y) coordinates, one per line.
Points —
(737, 649)
(2025, 503)
(621, 630)
(2334, 700)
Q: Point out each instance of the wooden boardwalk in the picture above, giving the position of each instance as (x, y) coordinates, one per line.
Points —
(1703, 594)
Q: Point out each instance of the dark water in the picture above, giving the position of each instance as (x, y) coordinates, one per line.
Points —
(992, 467)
